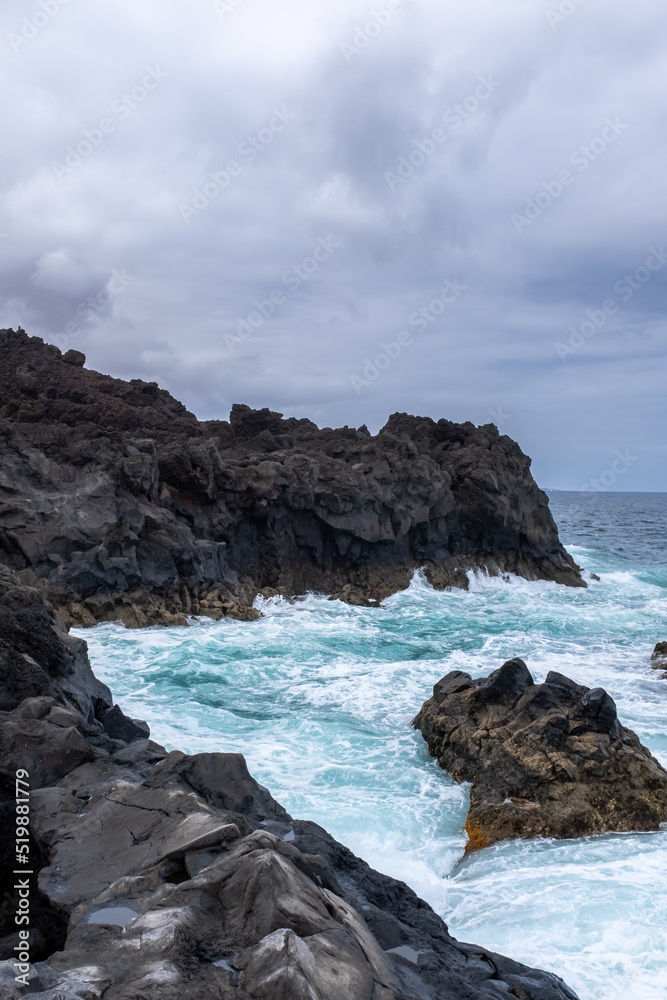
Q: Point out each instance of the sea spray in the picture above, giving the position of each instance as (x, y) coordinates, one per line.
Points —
(319, 696)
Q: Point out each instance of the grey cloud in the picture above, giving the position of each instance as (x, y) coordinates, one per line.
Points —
(323, 174)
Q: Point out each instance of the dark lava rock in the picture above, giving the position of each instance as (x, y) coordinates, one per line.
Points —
(38, 657)
(74, 358)
(120, 504)
(166, 877)
(548, 760)
(119, 727)
(659, 657)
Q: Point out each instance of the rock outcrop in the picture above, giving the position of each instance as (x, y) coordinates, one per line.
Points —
(158, 876)
(659, 657)
(120, 504)
(544, 760)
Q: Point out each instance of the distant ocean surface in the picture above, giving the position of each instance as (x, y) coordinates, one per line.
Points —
(319, 697)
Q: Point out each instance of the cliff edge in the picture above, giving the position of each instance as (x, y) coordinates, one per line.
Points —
(120, 504)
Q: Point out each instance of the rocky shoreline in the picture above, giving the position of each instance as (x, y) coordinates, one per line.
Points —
(120, 505)
(158, 876)
(544, 760)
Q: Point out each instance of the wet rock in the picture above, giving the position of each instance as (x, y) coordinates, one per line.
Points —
(122, 506)
(547, 759)
(659, 657)
(222, 779)
(160, 876)
(119, 727)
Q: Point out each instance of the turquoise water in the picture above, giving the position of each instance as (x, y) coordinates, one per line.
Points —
(319, 697)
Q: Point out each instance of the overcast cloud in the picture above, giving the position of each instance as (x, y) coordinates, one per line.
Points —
(173, 171)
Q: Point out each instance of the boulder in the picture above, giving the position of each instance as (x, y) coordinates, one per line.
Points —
(75, 358)
(549, 760)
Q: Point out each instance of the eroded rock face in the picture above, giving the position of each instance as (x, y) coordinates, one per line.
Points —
(547, 760)
(123, 505)
(39, 657)
(168, 877)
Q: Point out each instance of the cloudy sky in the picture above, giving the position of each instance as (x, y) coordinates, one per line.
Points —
(343, 209)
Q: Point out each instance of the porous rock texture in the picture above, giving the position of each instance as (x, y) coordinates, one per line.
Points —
(161, 876)
(548, 760)
(122, 505)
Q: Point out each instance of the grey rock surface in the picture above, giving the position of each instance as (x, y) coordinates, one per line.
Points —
(166, 877)
(122, 505)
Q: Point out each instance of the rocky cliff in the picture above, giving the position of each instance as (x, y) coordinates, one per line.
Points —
(120, 504)
(158, 876)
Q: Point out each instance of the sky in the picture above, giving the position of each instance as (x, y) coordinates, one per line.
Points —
(341, 210)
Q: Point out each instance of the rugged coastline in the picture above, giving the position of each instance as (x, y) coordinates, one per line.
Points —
(120, 505)
(158, 876)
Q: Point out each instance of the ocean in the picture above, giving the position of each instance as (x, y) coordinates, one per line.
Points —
(319, 697)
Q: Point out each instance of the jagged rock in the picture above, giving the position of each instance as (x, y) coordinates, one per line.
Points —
(119, 727)
(164, 877)
(659, 657)
(38, 657)
(548, 759)
(123, 506)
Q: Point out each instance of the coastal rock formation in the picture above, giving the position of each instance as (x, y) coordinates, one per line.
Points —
(120, 504)
(544, 760)
(159, 876)
(659, 657)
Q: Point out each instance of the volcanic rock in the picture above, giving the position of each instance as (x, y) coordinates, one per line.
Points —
(659, 657)
(544, 760)
(158, 876)
(121, 505)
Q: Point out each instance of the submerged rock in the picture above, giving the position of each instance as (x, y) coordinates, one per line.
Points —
(544, 760)
(123, 506)
(162, 876)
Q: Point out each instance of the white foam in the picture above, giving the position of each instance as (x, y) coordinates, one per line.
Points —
(319, 696)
